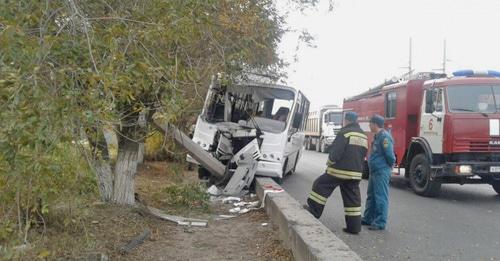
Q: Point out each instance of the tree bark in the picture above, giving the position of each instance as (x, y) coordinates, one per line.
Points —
(140, 157)
(105, 179)
(125, 170)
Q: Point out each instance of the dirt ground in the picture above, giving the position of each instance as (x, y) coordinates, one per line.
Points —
(105, 229)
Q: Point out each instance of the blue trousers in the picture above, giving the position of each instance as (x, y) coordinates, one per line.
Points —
(377, 201)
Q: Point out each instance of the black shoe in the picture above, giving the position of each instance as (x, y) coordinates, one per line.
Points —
(306, 207)
(375, 228)
(349, 232)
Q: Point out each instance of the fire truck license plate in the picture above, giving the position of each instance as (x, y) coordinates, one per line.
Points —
(495, 169)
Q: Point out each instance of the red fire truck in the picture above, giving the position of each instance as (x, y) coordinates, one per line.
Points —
(445, 129)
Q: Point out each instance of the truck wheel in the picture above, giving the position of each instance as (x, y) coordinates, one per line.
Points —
(308, 144)
(318, 145)
(420, 177)
(323, 146)
(496, 186)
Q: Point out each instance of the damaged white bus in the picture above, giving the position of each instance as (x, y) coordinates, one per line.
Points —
(252, 129)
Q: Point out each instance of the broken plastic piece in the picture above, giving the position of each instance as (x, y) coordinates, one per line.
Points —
(235, 210)
(230, 200)
(252, 204)
(269, 189)
(224, 217)
(214, 191)
(179, 220)
(244, 211)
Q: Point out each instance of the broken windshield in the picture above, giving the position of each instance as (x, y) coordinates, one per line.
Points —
(265, 108)
(470, 98)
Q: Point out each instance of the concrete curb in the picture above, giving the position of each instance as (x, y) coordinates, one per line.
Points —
(300, 231)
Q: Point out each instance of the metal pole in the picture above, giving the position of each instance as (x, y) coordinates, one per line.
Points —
(409, 60)
(444, 56)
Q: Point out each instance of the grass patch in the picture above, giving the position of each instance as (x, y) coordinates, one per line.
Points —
(190, 195)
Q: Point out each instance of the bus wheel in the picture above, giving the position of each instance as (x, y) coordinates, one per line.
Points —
(278, 181)
(420, 177)
(496, 186)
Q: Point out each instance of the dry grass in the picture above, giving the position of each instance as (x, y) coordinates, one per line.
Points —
(97, 228)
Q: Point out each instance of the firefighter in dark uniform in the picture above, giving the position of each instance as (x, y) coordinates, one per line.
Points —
(344, 169)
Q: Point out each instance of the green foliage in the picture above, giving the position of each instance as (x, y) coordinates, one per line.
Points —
(69, 68)
(192, 196)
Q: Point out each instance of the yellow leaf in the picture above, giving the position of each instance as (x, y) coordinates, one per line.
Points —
(44, 254)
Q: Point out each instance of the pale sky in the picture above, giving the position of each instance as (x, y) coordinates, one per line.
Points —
(362, 42)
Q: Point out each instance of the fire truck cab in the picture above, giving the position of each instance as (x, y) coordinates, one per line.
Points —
(445, 129)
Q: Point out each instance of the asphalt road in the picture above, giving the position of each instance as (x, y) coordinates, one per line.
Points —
(462, 224)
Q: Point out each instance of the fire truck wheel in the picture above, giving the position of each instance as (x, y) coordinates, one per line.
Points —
(420, 181)
(496, 186)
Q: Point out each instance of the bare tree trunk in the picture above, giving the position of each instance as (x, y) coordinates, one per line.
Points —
(105, 179)
(125, 170)
(140, 157)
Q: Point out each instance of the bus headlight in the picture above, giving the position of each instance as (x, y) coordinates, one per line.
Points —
(463, 169)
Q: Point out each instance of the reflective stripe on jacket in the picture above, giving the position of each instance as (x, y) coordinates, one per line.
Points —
(348, 153)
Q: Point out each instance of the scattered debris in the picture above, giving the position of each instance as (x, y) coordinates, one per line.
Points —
(253, 204)
(235, 210)
(135, 242)
(214, 191)
(183, 221)
(230, 200)
(240, 210)
(224, 217)
(244, 211)
(269, 189)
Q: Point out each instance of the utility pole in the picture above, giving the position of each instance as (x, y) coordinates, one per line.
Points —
(444, 56)
(409, 59)
(409, 67)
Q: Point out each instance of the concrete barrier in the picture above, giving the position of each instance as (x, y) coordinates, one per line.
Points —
(300, 231)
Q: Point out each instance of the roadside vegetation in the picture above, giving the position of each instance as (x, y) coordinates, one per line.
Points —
(72, 72)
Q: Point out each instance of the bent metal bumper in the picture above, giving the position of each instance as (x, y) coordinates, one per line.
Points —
(264, 168)
(270, 169)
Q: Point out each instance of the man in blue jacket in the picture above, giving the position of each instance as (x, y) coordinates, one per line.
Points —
(380, 162)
